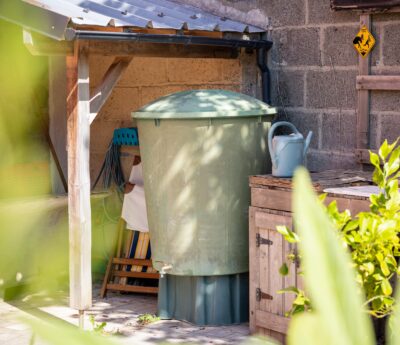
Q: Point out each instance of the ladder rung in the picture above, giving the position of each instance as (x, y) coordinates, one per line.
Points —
(132, 288)
(134, 262)
(132, 274)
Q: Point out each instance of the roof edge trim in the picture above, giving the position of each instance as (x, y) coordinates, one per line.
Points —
(72, 34)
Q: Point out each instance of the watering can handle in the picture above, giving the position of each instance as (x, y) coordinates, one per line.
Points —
(271, 131)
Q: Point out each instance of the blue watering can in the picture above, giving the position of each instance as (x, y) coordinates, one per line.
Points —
(287, 151)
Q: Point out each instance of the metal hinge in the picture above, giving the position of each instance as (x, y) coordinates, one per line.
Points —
(262, 295)
(260, 240)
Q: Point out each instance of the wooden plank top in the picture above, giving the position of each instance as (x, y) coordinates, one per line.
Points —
(321, 180)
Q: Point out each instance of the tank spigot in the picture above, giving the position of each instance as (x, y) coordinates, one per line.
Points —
(165, 268)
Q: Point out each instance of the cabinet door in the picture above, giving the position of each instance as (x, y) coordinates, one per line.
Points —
(268, 251)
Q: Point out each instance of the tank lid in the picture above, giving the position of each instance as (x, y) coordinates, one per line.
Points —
(204, 104)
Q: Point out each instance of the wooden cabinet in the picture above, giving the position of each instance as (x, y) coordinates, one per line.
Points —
(271, 206)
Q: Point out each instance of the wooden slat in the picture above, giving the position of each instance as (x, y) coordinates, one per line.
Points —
(362, 135)
(271, 198)
(254, 278)
(133, 262)
(110, 79)
(131, 274)
(347, 181)
(274, 199)
(348, 203)
(79, 178)
(269, 180)
(126, 253)
(320, 180)
(117, 251)
(378, 82)
(271, 321)
(264, 280)
(107, 275)
(269, 220)
(290, 279)
(132, 288)
(276, 304)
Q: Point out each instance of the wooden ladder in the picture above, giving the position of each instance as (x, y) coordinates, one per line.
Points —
(117, 269)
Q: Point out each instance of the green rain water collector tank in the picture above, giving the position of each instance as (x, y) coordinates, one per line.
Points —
(198, 149)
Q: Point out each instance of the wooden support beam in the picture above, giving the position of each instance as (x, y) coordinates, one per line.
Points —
(78, 127)
(378, 82)
(40, 45)
(363, 95)
(110, 79)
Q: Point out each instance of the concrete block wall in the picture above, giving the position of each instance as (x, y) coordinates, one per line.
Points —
(314, 67)
(147, 79)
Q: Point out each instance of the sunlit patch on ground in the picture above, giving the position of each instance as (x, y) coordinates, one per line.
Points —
(120, 313)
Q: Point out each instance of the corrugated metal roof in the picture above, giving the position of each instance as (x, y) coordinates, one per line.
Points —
(157, 14)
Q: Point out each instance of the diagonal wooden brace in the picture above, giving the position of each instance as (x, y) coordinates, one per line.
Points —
(100, 95)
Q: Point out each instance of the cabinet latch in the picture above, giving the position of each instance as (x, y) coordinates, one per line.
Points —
(262, 295)
(260, 240)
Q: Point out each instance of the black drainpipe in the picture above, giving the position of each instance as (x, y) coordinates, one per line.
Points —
(262, 46)
(265, 75)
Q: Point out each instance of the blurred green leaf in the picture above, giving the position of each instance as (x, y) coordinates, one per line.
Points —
(374, 158)
(60, 333)
(284, 270)
(289, 235)
(289, 289)
(384, 150)
(386, 287)
(307, 329)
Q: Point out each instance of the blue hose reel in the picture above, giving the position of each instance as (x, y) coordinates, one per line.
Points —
(126, 136)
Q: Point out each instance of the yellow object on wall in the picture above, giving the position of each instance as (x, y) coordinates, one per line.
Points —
(364, 41)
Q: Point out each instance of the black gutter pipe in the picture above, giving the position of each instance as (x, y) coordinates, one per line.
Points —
(72, 34)
(262, 46)
(265, 75)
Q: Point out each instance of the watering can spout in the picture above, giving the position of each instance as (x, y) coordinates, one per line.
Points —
(307, 143)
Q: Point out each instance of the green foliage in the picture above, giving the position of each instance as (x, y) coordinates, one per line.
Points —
(334, 318)
(289, 235)
(97, 326)
(300, 304)
(372, 237)
(145, 319)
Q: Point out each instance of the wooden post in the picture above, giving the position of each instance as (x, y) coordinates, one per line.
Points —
(78, 127)
(363, 95)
